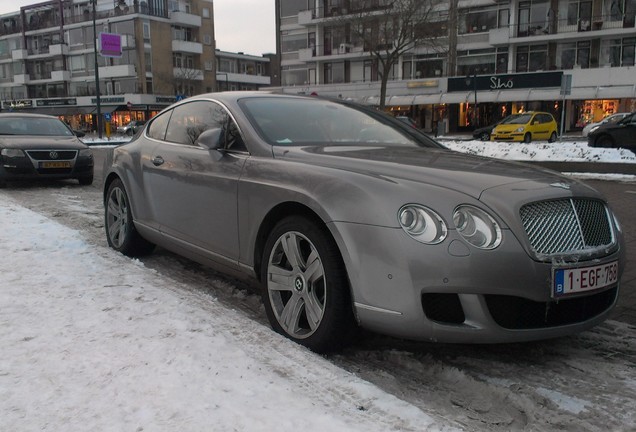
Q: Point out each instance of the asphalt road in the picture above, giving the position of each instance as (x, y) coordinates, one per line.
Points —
(622, 199)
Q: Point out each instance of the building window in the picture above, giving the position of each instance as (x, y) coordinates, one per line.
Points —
(531, 58)
(292, 7)
(481, 20)
(177, 60)
(205, 12)
(207, 39)
(534, 17)
(208, 65)
(574, 54)
(292, 43)
(619, 52)
(146, 30)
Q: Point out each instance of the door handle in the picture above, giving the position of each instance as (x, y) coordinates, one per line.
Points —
(158, 160)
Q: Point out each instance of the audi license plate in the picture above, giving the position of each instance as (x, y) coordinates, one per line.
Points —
(58, 164)
(578, 280)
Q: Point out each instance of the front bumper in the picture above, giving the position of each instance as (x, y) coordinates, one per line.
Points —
(28, 168)
(513, 136)
(452, 292)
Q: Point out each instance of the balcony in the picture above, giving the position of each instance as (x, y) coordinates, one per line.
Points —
(120, 71)
(187, 47)
(21, 79)
(61, 75)
(19, 54)
(185, 19)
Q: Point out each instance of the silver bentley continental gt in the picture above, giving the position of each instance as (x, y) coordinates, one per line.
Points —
(348, 218)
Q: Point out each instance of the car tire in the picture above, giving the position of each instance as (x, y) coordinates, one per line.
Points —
(605, 141)
(118, 222)
(305, 286)
(485, 136)
(553, 137)
(85, 181)
(527, 138)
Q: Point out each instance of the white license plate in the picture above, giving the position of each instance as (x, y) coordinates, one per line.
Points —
(57, 164)
(576, 280)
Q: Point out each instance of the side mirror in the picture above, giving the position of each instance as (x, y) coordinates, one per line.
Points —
(211, 139)
(79, 133)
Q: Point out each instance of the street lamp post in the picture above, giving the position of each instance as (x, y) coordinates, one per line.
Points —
(99, 105)
(473, 80)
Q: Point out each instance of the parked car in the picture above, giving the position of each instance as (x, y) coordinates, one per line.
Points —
(408, 120)
(620, 134)
(131, 128)
(484, 133)
(34, 146)
(609, 119)
(527, 127)
(346, 217)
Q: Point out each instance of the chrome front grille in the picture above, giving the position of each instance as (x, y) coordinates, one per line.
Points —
(51, 155)
(567, 225)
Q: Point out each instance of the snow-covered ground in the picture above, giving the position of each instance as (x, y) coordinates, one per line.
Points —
(92, 340)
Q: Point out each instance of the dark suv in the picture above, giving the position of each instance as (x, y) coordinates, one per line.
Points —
(620, 134)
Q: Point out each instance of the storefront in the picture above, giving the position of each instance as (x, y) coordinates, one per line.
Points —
(485, 99)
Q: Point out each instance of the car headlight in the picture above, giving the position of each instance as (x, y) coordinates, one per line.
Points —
(86, 153)
(8, 152)
(520, 129)
(477, 227)
(422, 224)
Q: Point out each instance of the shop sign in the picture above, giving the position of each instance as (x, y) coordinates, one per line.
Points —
(109, 100)
(420, 84)
(110, 45)
(164, 99)
(17, 104)
(505, 82)
(55, 102)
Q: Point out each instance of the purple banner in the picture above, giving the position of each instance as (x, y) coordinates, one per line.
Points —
(110, 45)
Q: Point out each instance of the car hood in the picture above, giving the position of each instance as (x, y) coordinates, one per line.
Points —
(37, 142)
(467, 174)
(508, 127)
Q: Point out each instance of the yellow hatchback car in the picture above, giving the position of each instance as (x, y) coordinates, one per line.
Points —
(526, 127)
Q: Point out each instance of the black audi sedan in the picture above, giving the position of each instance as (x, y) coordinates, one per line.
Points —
(36, 146)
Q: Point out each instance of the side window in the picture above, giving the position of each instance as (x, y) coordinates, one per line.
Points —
(190, 119)
(158, 126)
(233, 139)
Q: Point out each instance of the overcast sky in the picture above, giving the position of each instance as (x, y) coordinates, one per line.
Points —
(240, 25)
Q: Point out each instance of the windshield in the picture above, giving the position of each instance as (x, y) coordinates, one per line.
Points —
(518, 119)
(303, 121)
(33, 126)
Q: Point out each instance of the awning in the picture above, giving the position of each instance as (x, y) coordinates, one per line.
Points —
(400, 100)
(460, 97)
(429, 99)
(107, 109)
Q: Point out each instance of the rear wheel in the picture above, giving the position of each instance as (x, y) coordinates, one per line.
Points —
(553, 137)
(305, 286)
(485, 136)
(120, 229)
(605, 141)
(527, 138)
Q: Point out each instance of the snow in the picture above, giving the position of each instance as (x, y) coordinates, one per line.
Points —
(91, 340)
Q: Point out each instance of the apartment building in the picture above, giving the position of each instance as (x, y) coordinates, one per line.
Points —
(239, 71)
(48, 58)
(492, 58)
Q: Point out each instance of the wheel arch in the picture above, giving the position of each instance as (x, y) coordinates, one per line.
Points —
(276, 214)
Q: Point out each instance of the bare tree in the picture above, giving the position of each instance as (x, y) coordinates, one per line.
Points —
(182, 80)
(390, 28)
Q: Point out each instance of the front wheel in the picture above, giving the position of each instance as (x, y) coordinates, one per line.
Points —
(120, 229)
(305, 286)
(85, 181)
(527, 138)
(485, 136)
(553, 137)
